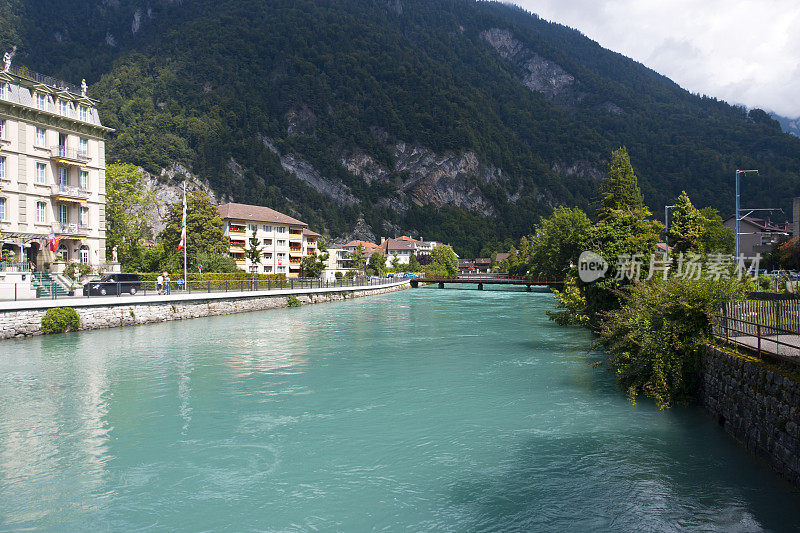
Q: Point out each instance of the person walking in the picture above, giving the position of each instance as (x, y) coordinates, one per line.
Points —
(160, 283)
(167, 286)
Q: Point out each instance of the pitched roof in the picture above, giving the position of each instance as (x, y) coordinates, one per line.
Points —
(501, 256)
(256, 213)
(366, 244)
(308, 233)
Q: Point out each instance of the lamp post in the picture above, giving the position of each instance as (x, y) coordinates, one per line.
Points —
(666, 227)
(738, 218)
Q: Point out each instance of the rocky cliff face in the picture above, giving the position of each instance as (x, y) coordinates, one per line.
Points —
(168, 189)
(540, 74)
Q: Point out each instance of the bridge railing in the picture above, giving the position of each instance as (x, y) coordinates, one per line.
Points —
(516, 280)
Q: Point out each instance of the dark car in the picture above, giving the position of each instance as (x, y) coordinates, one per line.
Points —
(113, 284)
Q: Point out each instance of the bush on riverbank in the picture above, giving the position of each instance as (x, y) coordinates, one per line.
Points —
(60, 320)
(292, 301)
(655, 337)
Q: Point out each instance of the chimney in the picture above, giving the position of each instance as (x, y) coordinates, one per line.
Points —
(383, 240)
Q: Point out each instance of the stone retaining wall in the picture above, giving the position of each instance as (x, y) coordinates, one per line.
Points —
(756, 404)
(26, 322)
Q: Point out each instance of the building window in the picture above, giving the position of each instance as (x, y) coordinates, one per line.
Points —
(84, 254)
(41, 101)
(280, 229)
(84, 180)
(84, 220)
(62, 106)
(281, 257)
(63, 214)
(281, 243)
(83, 147)
(41, 138)
(63, 253)
(268, 256)
(41, 212)
(3, 91)
(2, 208)
(267, 269)
(41, 171)
(267, 242)
(63, 177)
(281, 269)
(2, 168)
(267, 228)
(252, 227)
(2, 129)
(83, 113)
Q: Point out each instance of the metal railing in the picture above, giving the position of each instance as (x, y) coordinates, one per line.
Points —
(14, 266)
(24, 72)
(152, 288)
(70, 229)
(764, 326)
(69, 153)
(70, 191)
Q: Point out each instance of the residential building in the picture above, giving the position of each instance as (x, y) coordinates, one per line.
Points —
(369, 247)
(758, 235)
(481, 265)
(283, 240)
(52, 171)
(404, 247)
(338, 261)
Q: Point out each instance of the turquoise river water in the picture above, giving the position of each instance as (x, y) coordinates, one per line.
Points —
(423, 410)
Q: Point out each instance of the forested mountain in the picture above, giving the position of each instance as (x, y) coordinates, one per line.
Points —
(460, 120)
(787, 124)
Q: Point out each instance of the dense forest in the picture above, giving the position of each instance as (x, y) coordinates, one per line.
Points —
(230, 88)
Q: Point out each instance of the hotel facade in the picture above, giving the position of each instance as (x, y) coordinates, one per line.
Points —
(52, 171)
(284, 241)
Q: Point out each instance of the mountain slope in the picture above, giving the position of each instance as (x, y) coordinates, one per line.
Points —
(461, 120)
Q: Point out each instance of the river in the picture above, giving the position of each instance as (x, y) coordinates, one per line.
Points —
(427, 409)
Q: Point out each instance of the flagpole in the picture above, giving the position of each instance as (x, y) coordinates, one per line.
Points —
(185, 277)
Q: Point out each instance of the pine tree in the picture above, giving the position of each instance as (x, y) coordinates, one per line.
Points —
(253, 252)
(620, 189)
(687, 226)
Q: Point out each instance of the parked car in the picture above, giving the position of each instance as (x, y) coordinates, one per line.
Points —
(113, 284)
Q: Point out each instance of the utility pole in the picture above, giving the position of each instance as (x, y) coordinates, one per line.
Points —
(738, 218)
(666, 227)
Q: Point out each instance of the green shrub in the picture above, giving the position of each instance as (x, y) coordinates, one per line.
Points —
(338, 275)
(76, 270)
(60, 320)
(654, 339)
(292, 301)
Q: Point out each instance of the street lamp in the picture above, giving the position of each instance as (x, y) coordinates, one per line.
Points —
(666, 227)
(738, 218)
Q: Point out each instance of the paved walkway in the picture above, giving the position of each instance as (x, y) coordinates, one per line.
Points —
(86, 301)
(769, 344)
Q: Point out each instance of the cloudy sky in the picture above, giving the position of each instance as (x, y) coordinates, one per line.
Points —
(742, 51)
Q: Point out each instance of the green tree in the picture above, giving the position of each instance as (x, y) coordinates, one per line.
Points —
(313, 266)
(395, 263)
(128, 205)
(215, 262)
(558, 241)
(686, 227)
(357, 260)
(655, 337)
(413, 264)
(444, 261)
(716, 237)
(253, 252)
(203, 229)
(377, 262)
(620, 188)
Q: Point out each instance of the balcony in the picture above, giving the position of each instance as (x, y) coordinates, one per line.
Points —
(237, 229)
(69, 193)
(68, 156)
(70, 230)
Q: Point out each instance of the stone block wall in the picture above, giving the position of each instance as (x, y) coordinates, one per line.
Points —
(757, 404)
(109, 315)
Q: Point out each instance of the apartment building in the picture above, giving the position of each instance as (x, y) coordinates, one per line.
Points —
(404, 247)
(283, 240)
(52, 170)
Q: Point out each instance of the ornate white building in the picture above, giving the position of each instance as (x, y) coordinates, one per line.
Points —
(52, 170)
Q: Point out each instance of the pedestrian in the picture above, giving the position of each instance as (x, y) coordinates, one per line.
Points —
(167, 286)
(160, 284)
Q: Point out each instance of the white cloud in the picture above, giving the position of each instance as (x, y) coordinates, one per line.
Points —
(743, 51)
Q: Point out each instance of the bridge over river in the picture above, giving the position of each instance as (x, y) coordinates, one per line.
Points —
(488, 279)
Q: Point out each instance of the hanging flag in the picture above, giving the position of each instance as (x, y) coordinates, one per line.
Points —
(183, 225)
(53, 243)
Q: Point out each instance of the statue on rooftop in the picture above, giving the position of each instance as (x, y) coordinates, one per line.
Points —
(7, 61)
(83, 87)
